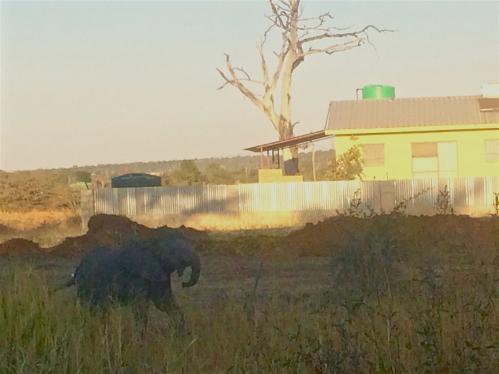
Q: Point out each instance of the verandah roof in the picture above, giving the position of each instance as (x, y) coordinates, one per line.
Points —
(280, 144)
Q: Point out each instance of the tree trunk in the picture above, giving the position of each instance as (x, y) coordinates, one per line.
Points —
(290, 155)
(298, 36)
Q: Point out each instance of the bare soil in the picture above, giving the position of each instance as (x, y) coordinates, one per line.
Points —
(428, 233)
(440, 232)
(103, 230)
(19, 247)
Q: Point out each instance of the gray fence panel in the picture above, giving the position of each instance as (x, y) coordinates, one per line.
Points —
(419, 196)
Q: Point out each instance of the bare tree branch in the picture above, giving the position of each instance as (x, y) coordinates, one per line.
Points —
(277, 14)
(267, 31)
(263, 63)
(284, 4)
(236, 82)
(299, 36)
(231, 81)
(354, 34)
(336, 47)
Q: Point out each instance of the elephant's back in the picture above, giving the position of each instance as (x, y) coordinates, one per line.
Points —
(96, 269)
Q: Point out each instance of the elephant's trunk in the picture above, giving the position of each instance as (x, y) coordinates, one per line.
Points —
(196, 270)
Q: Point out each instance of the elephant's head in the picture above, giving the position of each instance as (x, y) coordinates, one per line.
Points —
(176, 254)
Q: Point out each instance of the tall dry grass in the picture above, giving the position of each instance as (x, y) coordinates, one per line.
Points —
(32, 219)
(383, 314)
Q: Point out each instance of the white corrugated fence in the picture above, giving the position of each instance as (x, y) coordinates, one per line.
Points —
(470, 195)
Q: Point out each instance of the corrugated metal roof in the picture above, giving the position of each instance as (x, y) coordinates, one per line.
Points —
(135, 180)
(488, 103)
(280, 144)
(423, 111)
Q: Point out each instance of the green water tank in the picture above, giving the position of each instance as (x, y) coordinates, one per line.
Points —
(378, 91)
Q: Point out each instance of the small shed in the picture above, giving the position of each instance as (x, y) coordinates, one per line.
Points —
(135, 180)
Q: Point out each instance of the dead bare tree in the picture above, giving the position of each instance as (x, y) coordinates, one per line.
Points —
(300, 37)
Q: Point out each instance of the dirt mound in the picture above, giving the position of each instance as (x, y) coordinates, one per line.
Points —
(115, 225)
(413, 233)
(113, 231)
(19, 247)
(7, 232)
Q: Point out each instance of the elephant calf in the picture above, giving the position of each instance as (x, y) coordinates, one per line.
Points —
(137, 273)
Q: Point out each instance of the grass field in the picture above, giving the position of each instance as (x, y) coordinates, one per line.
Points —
(382, 310)
(33, 219)
(47, 227)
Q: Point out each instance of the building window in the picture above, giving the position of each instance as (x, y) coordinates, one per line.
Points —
(425, 149)
(492, 150)
(433, 160)
(373, 154)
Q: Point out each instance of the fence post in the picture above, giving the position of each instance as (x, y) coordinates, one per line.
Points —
(387, 198)
(232, 199)
(87, 209)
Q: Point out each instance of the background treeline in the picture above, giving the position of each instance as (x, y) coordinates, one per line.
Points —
(55, 189)
(227, 170)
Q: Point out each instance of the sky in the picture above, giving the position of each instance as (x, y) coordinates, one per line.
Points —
(86, 83)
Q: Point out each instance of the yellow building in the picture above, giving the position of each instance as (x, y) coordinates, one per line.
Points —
(419, 137)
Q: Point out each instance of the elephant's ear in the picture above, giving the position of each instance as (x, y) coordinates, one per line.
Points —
(144, 265)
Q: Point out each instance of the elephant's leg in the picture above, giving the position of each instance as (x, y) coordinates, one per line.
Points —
(176, 314)
(101, 312)
(164, 301)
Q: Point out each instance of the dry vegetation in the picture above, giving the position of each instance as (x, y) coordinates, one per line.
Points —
(43, 190)
(45, 227)
(38, 205)
(386, 294)
(32, 219)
